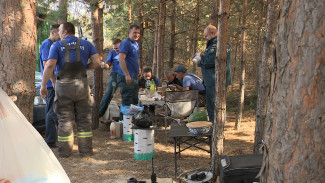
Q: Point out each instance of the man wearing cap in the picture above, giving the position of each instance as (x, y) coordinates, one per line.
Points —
(190, 81)
(207, 64)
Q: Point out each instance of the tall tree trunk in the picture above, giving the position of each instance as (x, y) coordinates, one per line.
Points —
(268, 58)
(214, 13)
(294, 144)
(130, 12)
(97, 28)
(242, 68)
(237, 36)
(18, 52)
(258, 42)
(161, 37)
(220, 102)
(172, 35)
(140, 19)
(196, 28)
(63, 11)
(155, 52)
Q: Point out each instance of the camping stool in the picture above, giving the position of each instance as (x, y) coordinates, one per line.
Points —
(144, 144)
(127, 125)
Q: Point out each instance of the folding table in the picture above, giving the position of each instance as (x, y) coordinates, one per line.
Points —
(182, 136)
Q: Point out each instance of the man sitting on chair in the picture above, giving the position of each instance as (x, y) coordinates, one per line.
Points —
(190, 81)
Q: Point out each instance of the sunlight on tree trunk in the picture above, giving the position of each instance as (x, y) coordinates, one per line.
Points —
(294, 140)
(18, 53)
(63, 11)
(220, 102)
(98, 40)
(242, 68)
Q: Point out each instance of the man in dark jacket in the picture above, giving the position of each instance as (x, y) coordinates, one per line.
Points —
(207, 64)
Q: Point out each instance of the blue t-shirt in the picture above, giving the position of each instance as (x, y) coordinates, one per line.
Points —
(113, 57)
(57, 51)
(44, 51)
(131, 49)
(193, 81)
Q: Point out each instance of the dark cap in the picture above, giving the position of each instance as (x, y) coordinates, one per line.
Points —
(180, 68)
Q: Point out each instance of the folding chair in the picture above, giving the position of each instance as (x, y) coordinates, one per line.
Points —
(181, 104)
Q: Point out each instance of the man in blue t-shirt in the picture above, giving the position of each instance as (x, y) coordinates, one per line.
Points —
(72, 101)
(190, 81)
(51, 121)
(112, 59)
(129, 58)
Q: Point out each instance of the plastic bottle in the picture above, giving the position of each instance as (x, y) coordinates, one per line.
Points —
(152, 86)
(148, 84)
(112, 130)
(164, 84)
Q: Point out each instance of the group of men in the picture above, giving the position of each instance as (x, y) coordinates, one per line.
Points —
(64, 64)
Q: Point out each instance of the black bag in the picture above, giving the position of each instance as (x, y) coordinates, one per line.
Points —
(143, 119)
(240, 169)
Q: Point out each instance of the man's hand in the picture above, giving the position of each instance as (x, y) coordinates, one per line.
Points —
(43, 92)
(128, 79)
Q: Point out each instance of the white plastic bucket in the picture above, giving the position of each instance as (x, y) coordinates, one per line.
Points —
(144, 145)
(127, 131)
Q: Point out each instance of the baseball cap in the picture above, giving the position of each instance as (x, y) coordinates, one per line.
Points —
(180, 68)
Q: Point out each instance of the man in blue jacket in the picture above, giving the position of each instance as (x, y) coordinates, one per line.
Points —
(51, 121)
(207, 64)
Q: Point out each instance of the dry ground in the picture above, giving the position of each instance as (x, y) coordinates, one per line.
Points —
(113, 159)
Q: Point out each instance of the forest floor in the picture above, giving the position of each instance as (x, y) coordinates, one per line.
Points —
(113, 159)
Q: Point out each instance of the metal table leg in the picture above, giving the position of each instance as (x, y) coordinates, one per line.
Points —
(175, 153)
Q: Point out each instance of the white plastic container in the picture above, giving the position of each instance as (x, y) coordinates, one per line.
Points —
(144, 145)
(127, 125)
(119, 129)
(112, 130)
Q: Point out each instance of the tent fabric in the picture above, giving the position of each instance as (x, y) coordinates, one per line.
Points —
(24, 155)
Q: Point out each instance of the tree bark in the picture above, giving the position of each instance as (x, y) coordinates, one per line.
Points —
(140, 19)
(130, 12)
(161, 37)
(214, 13)
(264, 78)
(172, 35)
(155, 51)
(196, 28)
(258, 42)
(294, 143)
(63, 11)
(98, 39)
(220, 102)
(18, 52)
(242, 68)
